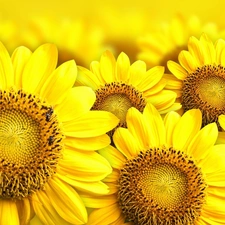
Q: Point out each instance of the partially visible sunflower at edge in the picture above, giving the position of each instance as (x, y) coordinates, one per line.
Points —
(48, 138)
(165, 171)
(120, 85)
(199, 78)
(166, 41)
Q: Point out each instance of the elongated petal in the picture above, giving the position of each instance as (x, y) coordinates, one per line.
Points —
(40, 65)
(96, 188)
(115, 158)
(107, 67)
(19, 59)
(9, 212)
(86, 78)
(123, 68)
(156, 129)
(203, 141)
(59, 82)
(127, 148)
(88, 166)
(66, 201)
(221, 120)
(25, 211)
(92, 124)
(73, 106)
(6, 69)
(186, 129)
(178, 71)
(152, 77)
(170, 120)
(45, 211)
(137, 70)
(81, 143)
(187, 61)
(104, 216)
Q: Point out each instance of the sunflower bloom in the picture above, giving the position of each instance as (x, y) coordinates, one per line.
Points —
(120, 85)
(43, 138)
(167, 40)
(165, 171)
(199, 78)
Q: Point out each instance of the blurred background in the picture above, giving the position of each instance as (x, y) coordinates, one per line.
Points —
(82, 30)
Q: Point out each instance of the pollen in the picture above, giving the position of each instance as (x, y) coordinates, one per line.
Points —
(30, 144)
(117, 98)
(205, 89)
(161, 186)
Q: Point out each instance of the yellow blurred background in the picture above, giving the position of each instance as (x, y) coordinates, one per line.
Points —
(84, 29)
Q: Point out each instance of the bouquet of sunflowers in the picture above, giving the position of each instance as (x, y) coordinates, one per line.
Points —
(94, 132)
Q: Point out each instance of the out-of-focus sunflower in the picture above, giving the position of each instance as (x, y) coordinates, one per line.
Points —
(164, 172)
(120, 85)
(199, 77)
(77, 39)
(47, 139)
(167, 40)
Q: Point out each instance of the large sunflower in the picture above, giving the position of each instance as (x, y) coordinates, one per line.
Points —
(167, 39)
(47, 139)
(164, 172)
(120, 85)
(199, 77)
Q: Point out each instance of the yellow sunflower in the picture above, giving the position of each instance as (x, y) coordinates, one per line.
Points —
(166, 41)
(120, 85)
(165, 171)
(47, 139)
(199, 77)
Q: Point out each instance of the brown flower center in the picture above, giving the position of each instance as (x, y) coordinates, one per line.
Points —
(161, 186)
(30, 144)
(205, 89)
(117, 98)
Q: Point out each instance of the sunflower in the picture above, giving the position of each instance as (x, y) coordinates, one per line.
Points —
(120, 85)
(199, 78)
(165, 171)
(167, 39)
(48, 138)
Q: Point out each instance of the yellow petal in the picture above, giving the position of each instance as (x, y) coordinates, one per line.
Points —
(151, 78)
(221, 120)
(45, 211)
(82, 143)
(86, 78)
(9, 212)
(138, 129)
(96, 188)
(36, 221)
(91, 124)
(123, 68)
(19, 59)
(59, 82)
(40, 65)
(220, 46)
(187, 61)
(126, 143)
(203, 141)
(104, 216)
(178, 71)
(73, 106)
(107, 67)
(99, 201)
(84, 166)
(137, 70)
(113, 156)
(6, 69)
(66, 201)
(25, 211)
(186, 129)
(170, 121)
(155, 126)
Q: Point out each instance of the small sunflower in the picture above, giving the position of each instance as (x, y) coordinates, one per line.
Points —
(199, 78)
(164, 172)
(47, 139)
(166, 41)
(120, 85)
